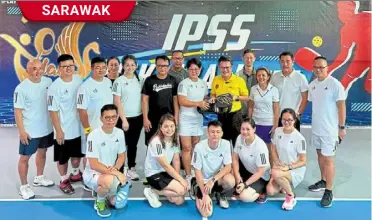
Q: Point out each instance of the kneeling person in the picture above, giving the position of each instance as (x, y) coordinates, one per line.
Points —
(250, 164)
(162, 165)
(106, 153)
(212, 163)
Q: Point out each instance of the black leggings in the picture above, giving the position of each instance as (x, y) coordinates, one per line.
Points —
(131, 138)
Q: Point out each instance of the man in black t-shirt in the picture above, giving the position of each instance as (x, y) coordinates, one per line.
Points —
(159, 96)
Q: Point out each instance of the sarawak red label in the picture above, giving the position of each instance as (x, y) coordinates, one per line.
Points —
(77, 11)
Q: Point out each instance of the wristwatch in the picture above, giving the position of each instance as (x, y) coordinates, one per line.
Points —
(213, 179)
(342, 127)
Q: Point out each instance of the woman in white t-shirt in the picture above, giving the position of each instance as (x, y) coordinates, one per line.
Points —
(289, 159)
(250, 164)
(192, 92)
(263, 105)
(127, 97)
(162, 165)
(113, 64)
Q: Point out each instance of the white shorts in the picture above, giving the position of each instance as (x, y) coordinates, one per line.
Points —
(91, 179)
(297, 176)
(190, 126)
(326, 144)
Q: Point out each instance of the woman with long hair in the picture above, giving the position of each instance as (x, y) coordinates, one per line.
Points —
(127, 97)
(162, 165)
(113, 64)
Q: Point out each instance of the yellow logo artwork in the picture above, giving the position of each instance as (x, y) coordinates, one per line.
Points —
(67, 43)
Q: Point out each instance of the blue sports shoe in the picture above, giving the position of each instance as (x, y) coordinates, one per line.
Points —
(121, 197)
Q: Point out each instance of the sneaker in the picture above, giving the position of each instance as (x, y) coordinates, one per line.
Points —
(121, 197)
(327, 199)
(26, 192)
(262, 198)
(152, 197)
(318, 186)
(94, 194)
(76, 178)
(144, 182)
(289, 202)
(102, 209)
(86, 188)
(188, 180)
(132, 174)
(66, 187)
(193, 188)
(42, 181)
(222, 200)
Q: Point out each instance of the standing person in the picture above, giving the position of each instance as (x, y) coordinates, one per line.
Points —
(159, 96)
(192, 93)
(292, 86)
(113, 64)
(106, 153)
(162, 165)
(93, 94)
(177, 70)
(264, 106)
(64, 115)
(212, 163)
(127, 97)
(328, 125)
(228, 83)
(289, 159)
(250, 164)
(34, 126)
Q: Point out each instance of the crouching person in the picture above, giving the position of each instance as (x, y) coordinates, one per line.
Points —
(162, 165)
(106, 153)
(212, 163)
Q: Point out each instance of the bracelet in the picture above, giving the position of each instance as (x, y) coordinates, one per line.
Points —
(87, 130)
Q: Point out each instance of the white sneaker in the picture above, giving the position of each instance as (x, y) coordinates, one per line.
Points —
(132, 174)
(188, 179)
(289, 203)
(42, 181)
(152, 197)
(222, 200)
(26, 192)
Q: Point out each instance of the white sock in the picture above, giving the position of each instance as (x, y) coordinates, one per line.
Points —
(75, 171)
(63, 178)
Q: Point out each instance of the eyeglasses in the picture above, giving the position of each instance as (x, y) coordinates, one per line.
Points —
(225, 67)
(319, 67)
(193, 70)
(68, 67)
(162, 66)
(110, 118)
(287, 120)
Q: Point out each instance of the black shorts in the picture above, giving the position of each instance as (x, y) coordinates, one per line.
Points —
(259, 185)
(71, 148)
(35, 143)
(159, 181)
(199, 194)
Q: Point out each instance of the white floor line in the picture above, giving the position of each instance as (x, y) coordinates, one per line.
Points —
(187, 198)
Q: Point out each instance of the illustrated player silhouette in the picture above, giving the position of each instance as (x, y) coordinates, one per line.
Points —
(355, 41)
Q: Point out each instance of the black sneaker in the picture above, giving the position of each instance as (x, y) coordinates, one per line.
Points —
(193, 189)
(327, 199)
(318, 186)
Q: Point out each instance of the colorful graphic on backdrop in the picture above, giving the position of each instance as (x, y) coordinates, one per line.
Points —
(339, 31)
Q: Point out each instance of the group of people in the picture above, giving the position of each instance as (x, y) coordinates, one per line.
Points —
(256, 149)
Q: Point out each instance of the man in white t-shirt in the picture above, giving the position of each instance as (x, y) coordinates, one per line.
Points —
(212, 163)
(34, 126)
(292, 85)
(328, 124)
(92, 95)
(106, 153)
(65, 119)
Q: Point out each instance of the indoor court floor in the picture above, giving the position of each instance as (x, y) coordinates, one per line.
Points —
(352, 190)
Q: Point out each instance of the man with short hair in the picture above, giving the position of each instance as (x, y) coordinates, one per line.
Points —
(228, 83)
(159, 96)
(93, 94)
(106, 153)
(328, 124)
(34, 126)
(177, 69)
(292, 85)
(212, 163)
(65, 119)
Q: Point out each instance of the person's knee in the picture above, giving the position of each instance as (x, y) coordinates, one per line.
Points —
(186, 148)
(107, 181)
(42, 152)
(180, 190)
(178, 200)
(270, 190)
(328, 160)
(23, 159)
(228, 181)
(248, 195)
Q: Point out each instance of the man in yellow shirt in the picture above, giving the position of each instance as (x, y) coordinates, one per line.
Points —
(234, 85)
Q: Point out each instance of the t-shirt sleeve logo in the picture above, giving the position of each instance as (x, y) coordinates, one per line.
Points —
(50, 100)
(90, 146)
(80, 99)
(115, 87)
(263, 159)
(303, 143)
(15, 97)
(195, 156)
(159, 149)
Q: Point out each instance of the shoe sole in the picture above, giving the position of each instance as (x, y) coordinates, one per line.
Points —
(103, 216)
(317, 190)
(32, 197)
(290, 208)
(149, 200)
(40, 185)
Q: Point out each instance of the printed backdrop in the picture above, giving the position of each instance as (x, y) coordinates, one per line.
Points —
(339, 31)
